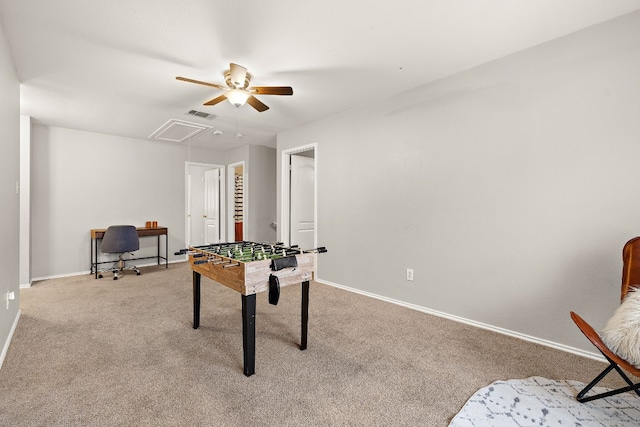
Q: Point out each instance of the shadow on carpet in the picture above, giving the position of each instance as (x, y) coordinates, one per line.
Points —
(538, 401)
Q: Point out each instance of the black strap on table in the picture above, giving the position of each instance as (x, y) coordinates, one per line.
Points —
(274, 283)
(274, 289)
(284, 262)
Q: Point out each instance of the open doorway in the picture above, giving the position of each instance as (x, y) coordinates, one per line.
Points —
(237, 202)
(204, 204)
(299, 197)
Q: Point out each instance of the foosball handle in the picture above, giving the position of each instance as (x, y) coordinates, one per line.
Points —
(181, 252)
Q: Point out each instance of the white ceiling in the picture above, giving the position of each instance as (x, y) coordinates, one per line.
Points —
(109, 66)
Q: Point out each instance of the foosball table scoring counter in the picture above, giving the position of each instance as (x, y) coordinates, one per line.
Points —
(250, 268)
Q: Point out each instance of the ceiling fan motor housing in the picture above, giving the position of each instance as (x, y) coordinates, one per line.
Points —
(235, 84)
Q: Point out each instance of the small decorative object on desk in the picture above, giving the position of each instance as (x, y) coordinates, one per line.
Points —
(148, 224)
(154, 224)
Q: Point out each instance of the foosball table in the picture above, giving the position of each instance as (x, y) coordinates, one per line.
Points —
(250, 268)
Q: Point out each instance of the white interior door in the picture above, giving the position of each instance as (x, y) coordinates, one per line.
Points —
(195, 206)
(212, 206)
(303, 221)
(189, 211)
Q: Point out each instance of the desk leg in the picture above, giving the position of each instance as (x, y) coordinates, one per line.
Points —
(95, 251)
(196, 300)
(166, 251)
(305, 315)
(249, 333)
(91, 253)
(158, 250)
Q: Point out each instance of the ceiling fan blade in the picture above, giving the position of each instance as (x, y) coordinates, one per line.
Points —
(257, 104)
(238, 75)
(217, 86)
(216, 100)
(271, 90)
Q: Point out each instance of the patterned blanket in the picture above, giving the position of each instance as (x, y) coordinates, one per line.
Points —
(538, 401)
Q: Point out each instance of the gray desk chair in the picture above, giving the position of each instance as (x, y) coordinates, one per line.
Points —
(120, 239)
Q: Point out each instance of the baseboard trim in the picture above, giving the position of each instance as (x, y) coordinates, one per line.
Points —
(486, 326)
(80, 273)
(5, 348)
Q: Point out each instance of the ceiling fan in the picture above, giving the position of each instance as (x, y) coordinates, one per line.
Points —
(238, 91)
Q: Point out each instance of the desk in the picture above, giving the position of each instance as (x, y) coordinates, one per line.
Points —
(98, 234)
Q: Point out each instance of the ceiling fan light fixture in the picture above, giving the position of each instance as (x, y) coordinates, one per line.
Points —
(237, 97)
(238, 91)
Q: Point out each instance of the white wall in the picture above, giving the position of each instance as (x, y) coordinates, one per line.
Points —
(25, 201)
(262, 193)
(10, 203)
(510, 188)
(83, 180)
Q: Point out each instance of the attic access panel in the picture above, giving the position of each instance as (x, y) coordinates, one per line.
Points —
(178, 131)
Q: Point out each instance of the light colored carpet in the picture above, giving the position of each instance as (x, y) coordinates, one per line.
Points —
(92, 352)
(539, 401)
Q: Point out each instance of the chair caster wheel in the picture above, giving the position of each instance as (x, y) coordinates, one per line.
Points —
(115, 278)
(99, 276)
(137, 273)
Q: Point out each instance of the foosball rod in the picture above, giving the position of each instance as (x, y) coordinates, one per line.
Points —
(318, 250)
(187, 252)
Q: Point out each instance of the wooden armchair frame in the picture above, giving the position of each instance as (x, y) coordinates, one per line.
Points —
(630, 279)
(615, 362)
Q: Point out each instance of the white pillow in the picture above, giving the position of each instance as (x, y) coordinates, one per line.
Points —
(622, 333)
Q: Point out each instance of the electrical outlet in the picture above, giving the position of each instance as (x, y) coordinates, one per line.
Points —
(10, 297)
(410, 274)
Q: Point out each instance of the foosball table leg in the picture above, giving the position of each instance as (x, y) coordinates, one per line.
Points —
(196, 300)
(305, 315)
(249, 333)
